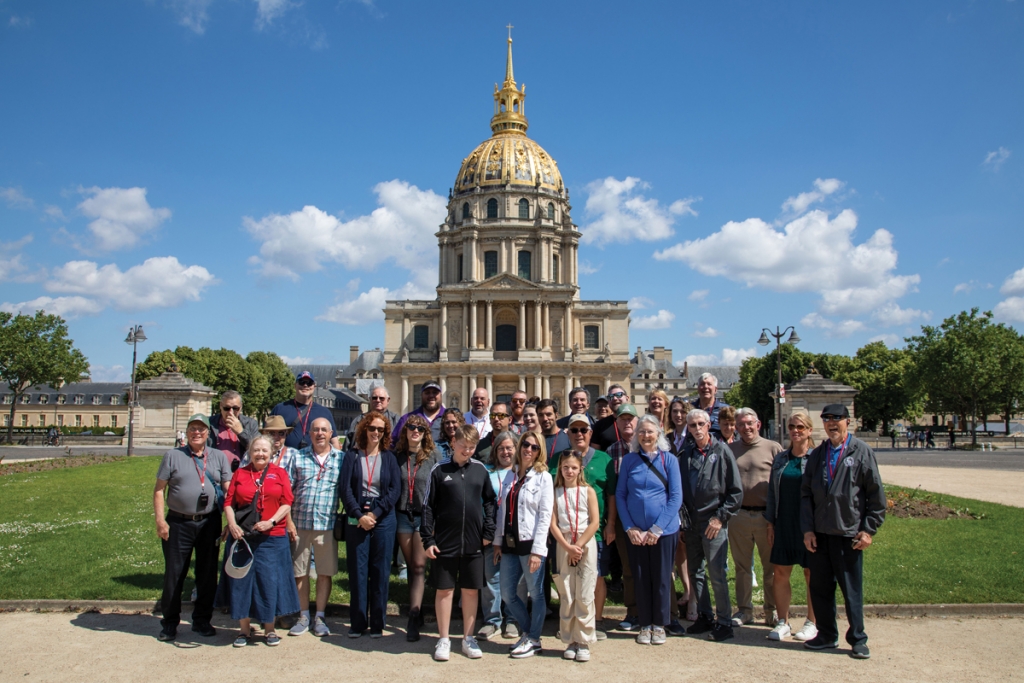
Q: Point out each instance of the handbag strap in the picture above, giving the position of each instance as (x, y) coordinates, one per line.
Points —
(657, 472)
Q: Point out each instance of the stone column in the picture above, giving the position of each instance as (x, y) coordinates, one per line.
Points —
(444, 329)
(472, 384)
(489, 385)
(405, 328)
(465, 392)
(522, 325)
(465, 324)
(443, 381)
(489, 333)
(472, 325)
(502, 258)
(522, 383)
(538, 334)
(405, 394)
(547, 387)
(567, 331)
(469, 263)
(538, 386)
(547, 327)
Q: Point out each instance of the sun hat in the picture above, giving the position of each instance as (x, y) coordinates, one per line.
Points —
(233, 570)
(275, 423)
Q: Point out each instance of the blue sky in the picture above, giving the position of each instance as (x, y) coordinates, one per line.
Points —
(262, 174)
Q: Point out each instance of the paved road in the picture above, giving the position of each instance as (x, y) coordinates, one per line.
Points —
(21, 453)
(1008, 459)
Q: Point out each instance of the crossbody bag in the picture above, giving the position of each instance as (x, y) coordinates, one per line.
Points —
(684, 515)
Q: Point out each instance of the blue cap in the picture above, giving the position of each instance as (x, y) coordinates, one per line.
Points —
(305, 374)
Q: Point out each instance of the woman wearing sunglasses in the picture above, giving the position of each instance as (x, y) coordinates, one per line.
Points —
(369, 486)
(521, 539)
(416, 455)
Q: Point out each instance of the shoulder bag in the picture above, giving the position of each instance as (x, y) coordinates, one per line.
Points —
(684, 515)
(247, 517)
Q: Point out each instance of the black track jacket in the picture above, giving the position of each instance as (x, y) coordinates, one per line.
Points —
(458, 513)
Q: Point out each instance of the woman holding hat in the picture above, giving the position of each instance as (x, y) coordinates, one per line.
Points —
(267, 590)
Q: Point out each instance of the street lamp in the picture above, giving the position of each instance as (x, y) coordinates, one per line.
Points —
(135, 335)
(764, 341)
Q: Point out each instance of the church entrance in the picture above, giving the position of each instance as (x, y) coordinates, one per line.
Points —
(505, 338)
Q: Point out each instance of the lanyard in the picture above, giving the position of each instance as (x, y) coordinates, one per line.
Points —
(280, 455)
(369, 479)
(576, 529)
(410, 477)
(513, 493)
(322, 466)
(259, 495)
(501, 484)
(303, 422)
(833, 460)
(202, 474)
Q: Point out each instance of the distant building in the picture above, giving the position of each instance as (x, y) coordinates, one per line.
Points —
(654, 369)
(79, 404)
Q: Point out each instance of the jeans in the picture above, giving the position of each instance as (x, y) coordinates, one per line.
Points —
(514, 568)
(836, 561)
(490, 595)
(184, 536)
(369, 570)
(716, 552)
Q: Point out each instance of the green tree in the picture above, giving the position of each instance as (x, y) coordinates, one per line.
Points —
(883, 378)
(281, 383)
(36, 350)
(1008, 387)
(956, 365)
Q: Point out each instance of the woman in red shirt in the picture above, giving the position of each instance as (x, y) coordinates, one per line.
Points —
(268, 590)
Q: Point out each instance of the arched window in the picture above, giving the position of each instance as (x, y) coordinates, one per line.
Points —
(551, 211)
(465, 210)
(492, 208)
(524, 208)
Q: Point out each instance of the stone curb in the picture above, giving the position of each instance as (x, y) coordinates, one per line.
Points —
(611, 611)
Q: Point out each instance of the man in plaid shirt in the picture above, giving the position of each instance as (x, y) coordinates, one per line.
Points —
(314, 476)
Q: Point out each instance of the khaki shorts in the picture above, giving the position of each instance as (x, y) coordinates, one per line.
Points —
(321, 546)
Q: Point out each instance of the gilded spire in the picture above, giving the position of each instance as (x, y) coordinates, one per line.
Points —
(509, 78)
(509, 101)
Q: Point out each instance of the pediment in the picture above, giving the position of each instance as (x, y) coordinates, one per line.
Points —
(507, 281)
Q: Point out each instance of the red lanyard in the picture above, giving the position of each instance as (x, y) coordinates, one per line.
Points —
(259, 490)
(576, 529)
(833, 463)
(322, 466)
(410, 477)
(513, 493)
(280, 456)
(303, 423)
(369, 479)
(202, 475)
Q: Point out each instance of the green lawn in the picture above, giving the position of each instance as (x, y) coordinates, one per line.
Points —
(88, 533)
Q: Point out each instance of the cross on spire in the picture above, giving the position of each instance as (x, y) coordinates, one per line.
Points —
(510, 27)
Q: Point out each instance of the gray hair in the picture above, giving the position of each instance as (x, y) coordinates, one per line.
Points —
(697, 413)
(230, 394)
(634, 445)
(579, 390)
(383, 388)
(501, 438)
(746, 411)
(708, 377)
(261, 437)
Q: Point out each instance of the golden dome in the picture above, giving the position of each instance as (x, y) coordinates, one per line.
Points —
(508, 157)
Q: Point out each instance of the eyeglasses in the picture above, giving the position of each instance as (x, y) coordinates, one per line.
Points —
(527, 446)
(580, 430)
(831, 418)
(518, 401)
(617, 394)
(499, 416)
(231, 409)
(414, 428)
(306, 383)
(375, 430)
(698, 425)
(198, 429)
(277, 433)
(797, 428)
(378, 398)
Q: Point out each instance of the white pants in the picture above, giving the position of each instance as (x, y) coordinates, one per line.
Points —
(576, 586)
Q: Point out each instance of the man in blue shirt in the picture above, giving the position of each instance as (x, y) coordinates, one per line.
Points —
(707, 391)
(431, 410)
(299, 413)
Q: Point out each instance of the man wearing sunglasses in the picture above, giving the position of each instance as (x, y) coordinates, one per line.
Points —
(230, 431)
(606, 430)
(300, 412)
(500, 419)
(379, 401)
(431, 409)
(842, 506)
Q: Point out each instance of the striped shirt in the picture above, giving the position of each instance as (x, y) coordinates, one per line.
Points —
(315, 489)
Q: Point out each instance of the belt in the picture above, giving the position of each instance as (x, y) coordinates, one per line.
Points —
(191, 518)
(753, 508)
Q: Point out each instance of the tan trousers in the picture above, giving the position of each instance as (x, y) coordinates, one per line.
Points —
(576, 585)
(748, 529)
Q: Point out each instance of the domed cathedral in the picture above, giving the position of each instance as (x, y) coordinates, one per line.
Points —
(508, 313)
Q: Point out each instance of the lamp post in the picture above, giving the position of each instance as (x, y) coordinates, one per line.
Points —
(764, 341)
(135, 335)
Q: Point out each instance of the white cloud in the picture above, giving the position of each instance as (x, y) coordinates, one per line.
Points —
(728, 357)
(122, 215)
(811, 253)
(587, 268)
(833, 329)
(269, 10)
(192, 14)
(368, 306)
(54, 213)
(890, 340)
(822, 189)
(1011, 309)
(638, 302)
(19, 22)
(620, 213)
(892, 315)
(698, 294)
(15, 198)
(401, 231)
(296, 360)
(64, 306)
(659, 321)
(158, 282)
(10, 261)
(110, 373)
(1014, 284)
(996, 159)
(707, 333)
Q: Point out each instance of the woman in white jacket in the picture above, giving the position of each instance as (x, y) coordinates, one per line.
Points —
(521, 537)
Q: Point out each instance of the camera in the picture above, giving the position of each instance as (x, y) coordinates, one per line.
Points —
(204, 500)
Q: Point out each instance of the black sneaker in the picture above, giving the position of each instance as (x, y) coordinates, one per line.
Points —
(702, 625)
(167, 634)
(819, 643)
(615, 587)
(205, 630)
(675, 628)
(720, 633)
(861, 651)
(412, 629)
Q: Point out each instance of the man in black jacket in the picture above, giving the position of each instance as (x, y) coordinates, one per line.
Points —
(458, 521)
(712, 494)
(841, 508)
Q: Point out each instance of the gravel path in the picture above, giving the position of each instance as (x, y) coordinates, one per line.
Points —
(994, 486)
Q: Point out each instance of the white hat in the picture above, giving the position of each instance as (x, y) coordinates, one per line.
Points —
(233, 570)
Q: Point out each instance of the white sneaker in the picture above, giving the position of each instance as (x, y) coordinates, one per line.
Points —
(644, 638)
(781, 630)
(471, 648)
(583, 654)
(443, 649)
(528, 649)
(657, 636)
(806, 632)
(739, 619)
(570, 651)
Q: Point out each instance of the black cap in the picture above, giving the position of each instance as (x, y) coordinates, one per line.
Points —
(835, 409)
(430, 385)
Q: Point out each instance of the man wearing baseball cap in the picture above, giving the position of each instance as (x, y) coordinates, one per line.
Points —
(299, 413)
(841, 508)
(430, 410)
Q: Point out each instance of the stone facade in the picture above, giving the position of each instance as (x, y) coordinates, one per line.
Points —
(165, 404)
(814, 392)
(78, 404)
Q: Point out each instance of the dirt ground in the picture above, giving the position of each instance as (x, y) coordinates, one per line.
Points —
(115, 647)
(994, 486)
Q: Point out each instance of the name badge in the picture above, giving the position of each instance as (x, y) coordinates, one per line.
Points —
(848, 461)
(510, 541)
(712, 458)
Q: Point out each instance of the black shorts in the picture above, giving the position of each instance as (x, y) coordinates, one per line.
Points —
(464, 571)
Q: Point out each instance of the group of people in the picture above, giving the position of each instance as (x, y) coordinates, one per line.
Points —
(507, 500)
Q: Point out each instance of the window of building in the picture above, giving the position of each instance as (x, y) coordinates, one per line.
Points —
(417, 389)
(7, 420)
(60, 420)
(95, 420)
(551, 211)
(113, 420)
(24, 420)
(465, 210)
(44, 398)
(25, 398)
(61, 399)
(458, 275)
(78, 420)
(505, 338)
(591, 337)
(492, 208)
(115, 400)
(525, 270)
(7, 399)
(524, 208)
(554, 270)
(97, 399)
(79, 399)
(420, 336)
(42, 420)
(490, 264)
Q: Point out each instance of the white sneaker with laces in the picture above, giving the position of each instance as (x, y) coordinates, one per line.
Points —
(806, 632)
(781, 630)
(583, 654)
(657, 636)
(644, 638)
(443, 649)
(570, 651)
(471, 648)
(528, 649)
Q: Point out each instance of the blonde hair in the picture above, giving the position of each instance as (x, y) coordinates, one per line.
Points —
(581, 479)
(666, 416)
(803, 418)
(540, 464)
